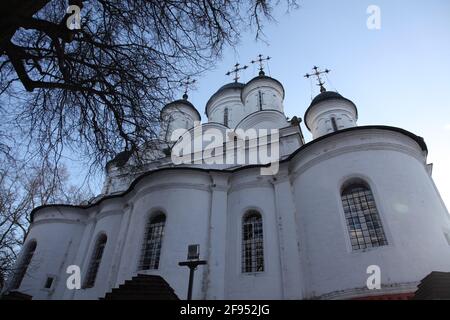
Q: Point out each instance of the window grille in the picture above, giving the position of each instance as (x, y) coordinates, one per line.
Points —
(363, 221)
(95, 261)
(252, 243)
(151, 250)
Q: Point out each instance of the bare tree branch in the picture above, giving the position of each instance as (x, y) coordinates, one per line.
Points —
(99, 90)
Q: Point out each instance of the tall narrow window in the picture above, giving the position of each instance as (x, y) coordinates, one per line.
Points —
(95, 261)
(151, 250)
(260, 100)
(225, 117)
(169, 128)
(23, 266)
(334, 124)
(363, 221)
(252, 243)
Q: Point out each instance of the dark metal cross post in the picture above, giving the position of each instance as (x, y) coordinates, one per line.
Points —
(186, 83)
(192, 263)
(260, 60)
(317, 73)
(236, 71)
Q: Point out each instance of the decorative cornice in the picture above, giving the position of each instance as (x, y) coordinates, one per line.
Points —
(174, 185)
(58, 220)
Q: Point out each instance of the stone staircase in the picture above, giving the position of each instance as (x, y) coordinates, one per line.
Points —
(15, 295)
(435, 286)
(142, 287)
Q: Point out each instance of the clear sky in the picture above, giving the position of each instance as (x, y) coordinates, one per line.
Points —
(398, 75)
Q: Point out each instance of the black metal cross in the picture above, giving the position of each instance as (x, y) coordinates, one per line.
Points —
(260, 60)
(192, 263)
(236, 71)
(317, 73)
(187, 85)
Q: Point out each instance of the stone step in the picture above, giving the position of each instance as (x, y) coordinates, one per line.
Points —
(142, 287)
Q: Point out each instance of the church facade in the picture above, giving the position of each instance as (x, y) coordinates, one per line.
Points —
(353, 199)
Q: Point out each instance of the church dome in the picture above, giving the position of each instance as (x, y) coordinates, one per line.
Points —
(178, 114)
(263, 77)
(228, 86)
(231, 85)
(328, 112)
(183, 102)
(263, 93)
(324, 96)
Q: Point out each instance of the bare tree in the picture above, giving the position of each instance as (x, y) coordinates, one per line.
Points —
(98, 90)
(95, 91)
(22, 188)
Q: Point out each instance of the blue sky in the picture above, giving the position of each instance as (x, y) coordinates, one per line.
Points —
(398, 75)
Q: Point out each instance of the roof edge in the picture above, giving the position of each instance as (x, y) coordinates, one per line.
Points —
(186, 103)
(419, 140)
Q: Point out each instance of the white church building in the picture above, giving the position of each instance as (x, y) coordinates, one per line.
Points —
(313, 224)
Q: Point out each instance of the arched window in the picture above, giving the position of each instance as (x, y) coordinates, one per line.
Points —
(361, 214)
(23, 266)
(95, 261)
(225, 117)
(252, 242)
(151, 249)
